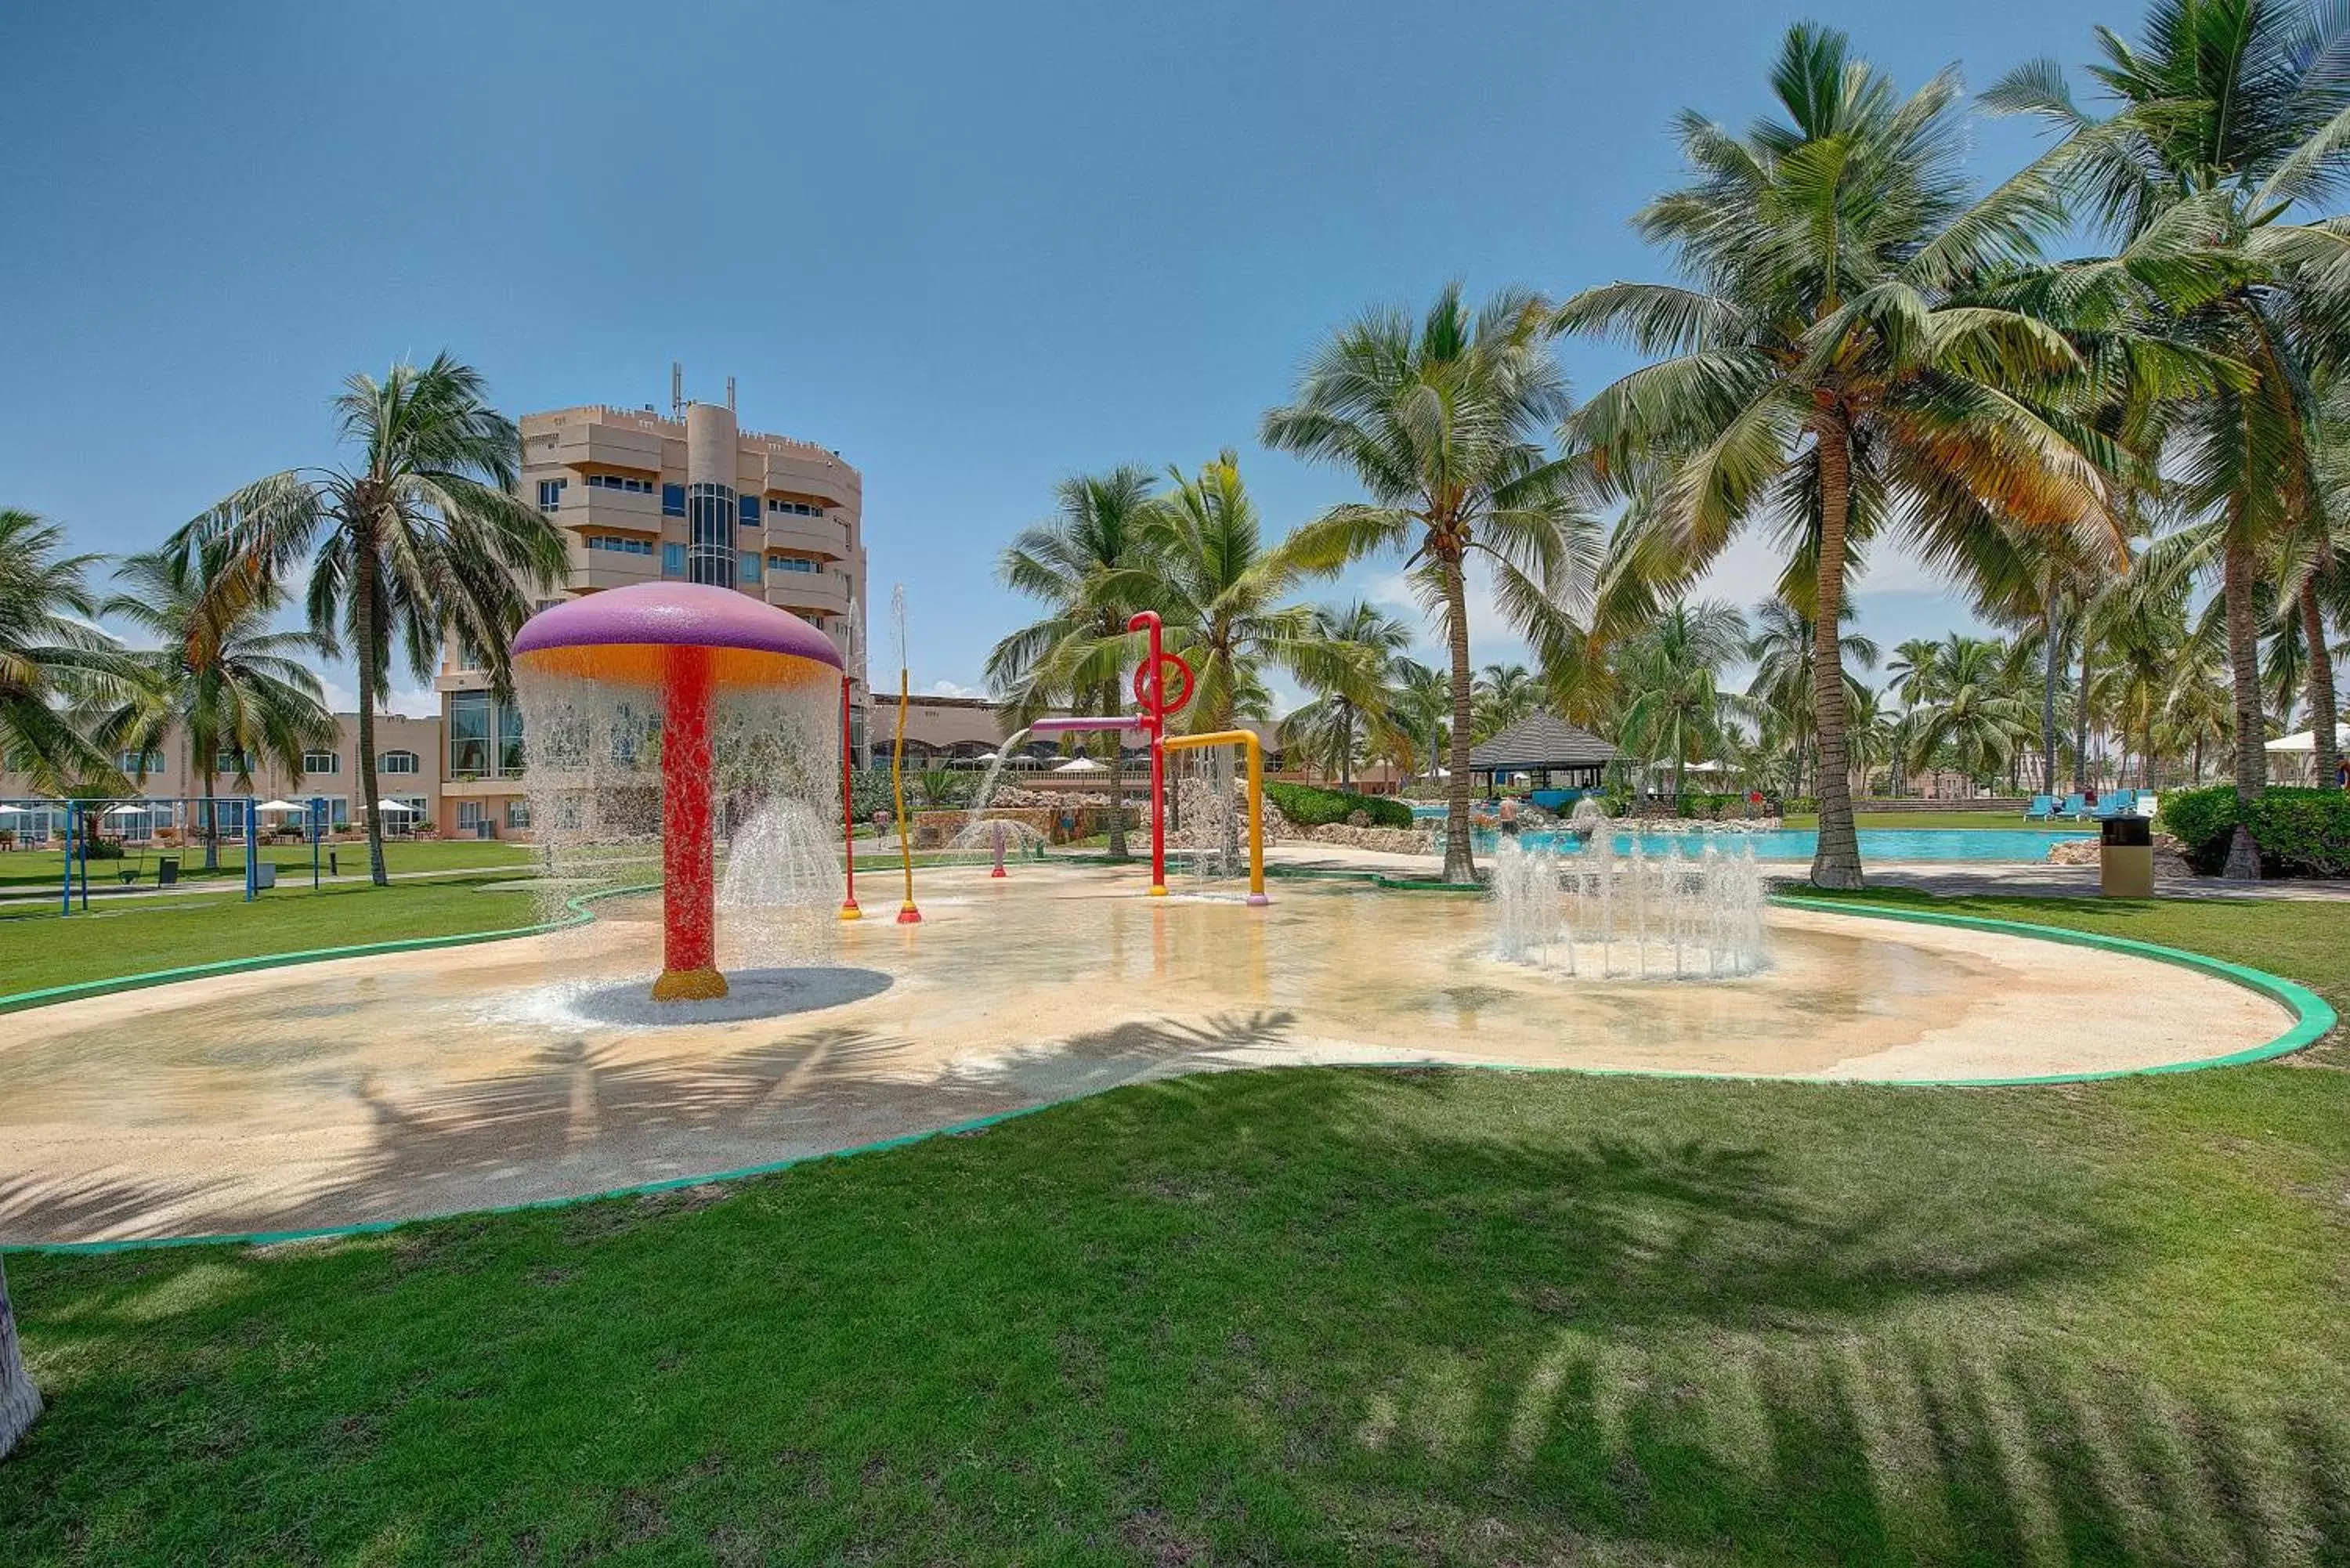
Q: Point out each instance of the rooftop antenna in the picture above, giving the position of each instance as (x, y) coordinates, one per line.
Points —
(676, 389)
(730, 394)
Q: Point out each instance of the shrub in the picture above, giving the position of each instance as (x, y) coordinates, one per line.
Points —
(2301, 831)
(1310, 807)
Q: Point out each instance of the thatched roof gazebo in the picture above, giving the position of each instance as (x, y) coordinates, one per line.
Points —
(1553, 753)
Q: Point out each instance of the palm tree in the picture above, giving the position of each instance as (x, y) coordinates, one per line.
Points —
(1826, 366)
(421, 544)
(1780, 694)
(2228, 115)
(1967, 717)
(1672, 673)
(1502, 696)
(219, 675)
(1423, 709)
(1097, 529)
(1331, 727)
(1222, 599)
(1442, 423)
(53, 662)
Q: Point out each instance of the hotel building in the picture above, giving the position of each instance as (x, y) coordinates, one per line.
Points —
(642, 499)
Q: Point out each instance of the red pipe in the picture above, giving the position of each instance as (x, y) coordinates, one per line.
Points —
(1154, 724)
(689, 869)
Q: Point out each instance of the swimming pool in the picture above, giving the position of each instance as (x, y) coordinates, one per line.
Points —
(1801, 843)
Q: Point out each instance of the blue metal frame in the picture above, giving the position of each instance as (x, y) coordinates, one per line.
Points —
(75, 851)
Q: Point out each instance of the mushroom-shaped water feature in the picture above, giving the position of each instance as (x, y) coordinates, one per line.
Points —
(680, 650)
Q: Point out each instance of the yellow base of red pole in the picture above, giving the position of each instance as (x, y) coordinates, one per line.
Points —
(689, 985)
(849, 911)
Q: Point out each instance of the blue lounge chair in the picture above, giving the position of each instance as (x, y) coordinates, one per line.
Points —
(2042, 808)
(2077, 806)
(2118, 803)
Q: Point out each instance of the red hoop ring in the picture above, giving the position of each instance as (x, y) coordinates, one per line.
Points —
(1142, 686)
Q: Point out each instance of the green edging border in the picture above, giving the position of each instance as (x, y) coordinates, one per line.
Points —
(21, 1001)
(2314, 1019)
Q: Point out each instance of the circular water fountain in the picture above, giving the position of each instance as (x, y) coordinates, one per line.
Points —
(658, 716)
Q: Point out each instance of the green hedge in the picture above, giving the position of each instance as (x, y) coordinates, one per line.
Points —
(2301, 831)
(1310, 807)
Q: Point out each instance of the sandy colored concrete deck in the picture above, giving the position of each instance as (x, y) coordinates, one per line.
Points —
(463, 1078)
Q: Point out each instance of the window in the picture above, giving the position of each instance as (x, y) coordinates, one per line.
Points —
(232, 761)
(797, 508)
(672, 500)
(750, 512)
(517, 814)
(672, 560)
(711, 512)
(321, 762)
(140, 764)
(619, 481)
(470, 815)
(509, 739)
(469, 734)
(618, 546)
(550, 493)
(750, 566)
(396, 763)
(777, 562)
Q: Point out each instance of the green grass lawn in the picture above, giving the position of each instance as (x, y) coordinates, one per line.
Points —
(1297, 1316)
(39, 947)
(29, 870)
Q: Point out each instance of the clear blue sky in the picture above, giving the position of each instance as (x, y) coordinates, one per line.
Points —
(973, 247)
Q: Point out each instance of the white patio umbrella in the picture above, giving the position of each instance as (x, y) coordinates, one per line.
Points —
(2305, 741)
(398, 807)
(7, 810)
(281, 805)
(1081, 766)
(127, 808)
(1702, 767)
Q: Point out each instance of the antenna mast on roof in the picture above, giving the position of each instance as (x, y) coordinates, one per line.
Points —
(676, 389)
(730, 394)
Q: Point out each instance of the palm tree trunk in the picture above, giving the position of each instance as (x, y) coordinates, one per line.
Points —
(1836, 862)
(1346, 753)
(2322, 708)
(363, 625)
(2081, 721)
(2252, 735)
(2048, 680)
(211, 822)
(1460, 856)
(20, 1402)
(1118, 850)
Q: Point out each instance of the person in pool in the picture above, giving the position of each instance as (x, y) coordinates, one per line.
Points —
(1510, 816)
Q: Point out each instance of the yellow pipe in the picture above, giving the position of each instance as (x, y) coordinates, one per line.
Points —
(906, 914)
(1255, 748)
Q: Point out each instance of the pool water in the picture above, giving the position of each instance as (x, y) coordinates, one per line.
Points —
(1801, 843)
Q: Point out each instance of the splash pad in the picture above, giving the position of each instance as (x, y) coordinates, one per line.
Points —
(651, 709)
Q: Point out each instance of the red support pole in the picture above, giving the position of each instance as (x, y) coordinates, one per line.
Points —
(849, 909)
(1154, 724)
(689, 868)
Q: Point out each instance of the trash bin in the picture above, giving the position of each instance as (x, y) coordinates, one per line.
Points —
(265, 873)
(2125, 857)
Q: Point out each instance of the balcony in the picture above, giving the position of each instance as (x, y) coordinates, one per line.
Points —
(831, 481)
(825, 536)
(611, 569)
(609, 446)
(627, 509)
(808, 594)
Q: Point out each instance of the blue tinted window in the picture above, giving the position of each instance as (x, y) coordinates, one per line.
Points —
(672, 560)
(750, 566)
(750, 512)
(673, 500)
